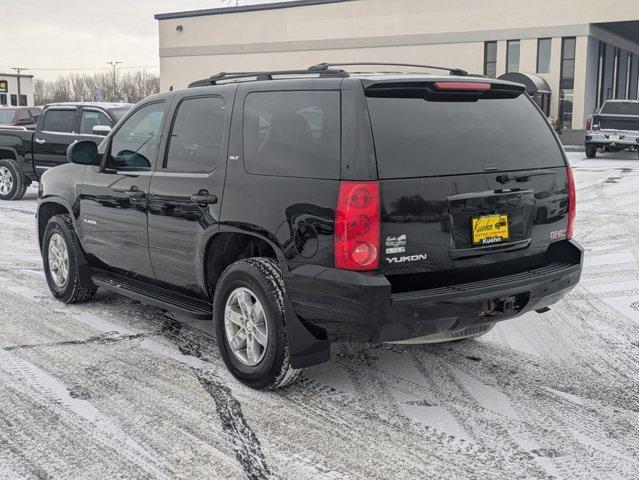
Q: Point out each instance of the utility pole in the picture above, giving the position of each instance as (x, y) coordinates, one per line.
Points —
(18, 70)
(115, 92)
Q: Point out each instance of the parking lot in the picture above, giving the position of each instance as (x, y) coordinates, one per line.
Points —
(113, 389)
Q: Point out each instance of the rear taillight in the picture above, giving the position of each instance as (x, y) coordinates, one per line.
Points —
(357, 226)
(588, 123)
(572, 203)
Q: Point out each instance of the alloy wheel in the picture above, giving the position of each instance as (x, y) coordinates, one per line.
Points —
(246, 326)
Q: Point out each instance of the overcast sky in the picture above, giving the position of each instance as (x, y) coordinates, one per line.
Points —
(53, 37)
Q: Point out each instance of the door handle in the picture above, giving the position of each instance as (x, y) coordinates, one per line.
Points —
(40, 141)
(203, 198)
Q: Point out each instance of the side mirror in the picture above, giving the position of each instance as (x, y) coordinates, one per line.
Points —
(102, 130)
(83, 153)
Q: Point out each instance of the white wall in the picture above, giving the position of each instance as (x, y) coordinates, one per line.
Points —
(26, 87)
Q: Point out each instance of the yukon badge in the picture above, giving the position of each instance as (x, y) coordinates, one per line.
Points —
(410, 258)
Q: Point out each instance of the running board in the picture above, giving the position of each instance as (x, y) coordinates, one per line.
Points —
(164, 298)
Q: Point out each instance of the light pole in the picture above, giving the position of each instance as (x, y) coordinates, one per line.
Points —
(114, 65)
(18, 70)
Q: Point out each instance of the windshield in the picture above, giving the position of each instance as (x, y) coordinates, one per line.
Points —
(118, 113)
(418, 138)
(6, 116)
(620, 108)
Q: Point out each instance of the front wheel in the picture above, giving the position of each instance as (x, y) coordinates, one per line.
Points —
(13, 184)
(591, 150)
(60, 266)
(250, 324)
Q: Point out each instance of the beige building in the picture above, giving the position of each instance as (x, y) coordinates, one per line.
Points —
(16, 91)
(585, 50)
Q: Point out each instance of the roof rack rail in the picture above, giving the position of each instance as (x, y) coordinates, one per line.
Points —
(326, 66)
(223, 76)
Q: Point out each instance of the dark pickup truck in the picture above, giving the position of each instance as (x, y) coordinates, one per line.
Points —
(614, 127)
(26, 154)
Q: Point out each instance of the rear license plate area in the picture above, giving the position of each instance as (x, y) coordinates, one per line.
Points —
(489, 230)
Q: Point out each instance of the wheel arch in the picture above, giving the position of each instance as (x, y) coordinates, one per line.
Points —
(232, 243)
(8, 153)
(47, 209)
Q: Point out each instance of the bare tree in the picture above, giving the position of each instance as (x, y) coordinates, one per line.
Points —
(131, 87)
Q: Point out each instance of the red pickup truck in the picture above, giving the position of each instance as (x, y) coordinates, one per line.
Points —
(20, 116)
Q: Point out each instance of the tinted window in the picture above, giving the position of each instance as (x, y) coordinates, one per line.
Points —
(92, 119)
(293, 134)
(544, 46)
(118, 113)
(59, 121)
(620, 108)
(7, 115)
(135, 144)
(415, 138)
(24, 115)
(196, 136)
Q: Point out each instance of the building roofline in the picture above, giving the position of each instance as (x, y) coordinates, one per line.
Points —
(245, 8)
(14, 75)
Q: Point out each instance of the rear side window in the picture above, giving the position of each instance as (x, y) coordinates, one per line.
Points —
(293, 134)
(418, 138)
(196, 138)
(620, 108)
(59, 121)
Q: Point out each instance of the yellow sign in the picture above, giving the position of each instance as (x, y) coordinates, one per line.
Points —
(4, 86)
(490, 229)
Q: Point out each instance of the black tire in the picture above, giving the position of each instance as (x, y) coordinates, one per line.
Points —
(591, 150)
(21, 194)
(263, 277)
(17, 180)
(70, 291)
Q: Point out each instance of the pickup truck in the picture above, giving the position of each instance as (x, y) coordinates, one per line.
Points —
(614, 127)
(26, 154)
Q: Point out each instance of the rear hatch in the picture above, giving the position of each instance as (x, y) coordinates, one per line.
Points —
(473, 182)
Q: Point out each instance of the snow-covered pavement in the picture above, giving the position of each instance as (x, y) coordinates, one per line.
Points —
(113, 389)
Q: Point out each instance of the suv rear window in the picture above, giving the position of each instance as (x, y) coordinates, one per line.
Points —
(418, 138)
(293, 134)
(620, 108)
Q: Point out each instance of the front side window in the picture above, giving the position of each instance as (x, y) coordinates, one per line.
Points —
(135, 145)
(197, 133)
(24, 115)
(544, 46)
(61, 121)
(512, 56)
(93, 118)
(293, 134)
(490, 59)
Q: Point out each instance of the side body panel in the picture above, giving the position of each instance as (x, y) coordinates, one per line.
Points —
(18, 144)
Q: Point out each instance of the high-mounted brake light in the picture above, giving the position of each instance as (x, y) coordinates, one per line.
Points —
(357, 226)
(463, 86)
(572, 203)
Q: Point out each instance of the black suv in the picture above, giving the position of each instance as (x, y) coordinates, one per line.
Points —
(301, 208)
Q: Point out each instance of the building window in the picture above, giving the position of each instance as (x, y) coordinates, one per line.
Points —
(23, 100)
(3, 98)
(634, 77)
(14, 100)
(544, 46)
(512, 56)
(567, 81)
(490, 59)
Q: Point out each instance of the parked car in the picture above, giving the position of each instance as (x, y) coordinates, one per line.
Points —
(301, 208)
(614, 127)
(26, 155)
(26, 117)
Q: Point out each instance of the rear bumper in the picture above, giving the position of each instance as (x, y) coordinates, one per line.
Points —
(337, 305)
(626, 139)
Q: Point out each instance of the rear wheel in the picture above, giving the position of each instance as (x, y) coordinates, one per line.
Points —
(591, 150)
(250, 324)
(12, 182)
